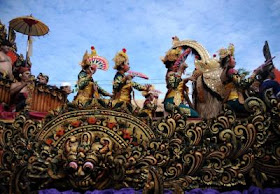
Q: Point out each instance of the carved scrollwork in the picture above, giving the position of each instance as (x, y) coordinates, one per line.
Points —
(100, 148)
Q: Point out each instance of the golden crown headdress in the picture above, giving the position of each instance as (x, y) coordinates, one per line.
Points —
(172, 55)
(120, 58)
(150, 91)
(84, 61)
(93, 52)
(223, 52)
(87, 56)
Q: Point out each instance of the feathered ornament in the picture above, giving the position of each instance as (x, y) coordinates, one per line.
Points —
(231, 49)
(181, 59)
(171, 55)
(120, 58)
(155, 91)
(93, 51)
(84, 62)
(138, 74)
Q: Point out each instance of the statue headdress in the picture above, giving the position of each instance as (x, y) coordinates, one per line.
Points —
(63, 84)
(43, 75)
(223, 52)
(23, 69)
(93, 52)
(151, 90)
(85, 61)
(120, 58)
(171, 55)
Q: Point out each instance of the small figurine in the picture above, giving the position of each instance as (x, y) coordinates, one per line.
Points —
(66, 88)
(42, 79)
(150, 103)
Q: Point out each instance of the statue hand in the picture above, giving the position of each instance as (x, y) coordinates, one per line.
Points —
(29, 81)
(129, 77)
(148, 86)
(191, 78)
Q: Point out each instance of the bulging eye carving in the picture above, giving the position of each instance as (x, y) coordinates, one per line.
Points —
(73, 165)
(88, 166)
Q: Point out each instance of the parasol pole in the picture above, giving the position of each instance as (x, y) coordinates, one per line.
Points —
(28, 39)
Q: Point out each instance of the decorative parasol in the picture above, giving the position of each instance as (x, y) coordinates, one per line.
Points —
(30, 26)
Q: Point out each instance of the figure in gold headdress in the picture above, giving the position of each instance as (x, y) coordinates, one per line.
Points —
(123, 84)
(87, 88)
(207, 89)
(232, 80)
(177, 92)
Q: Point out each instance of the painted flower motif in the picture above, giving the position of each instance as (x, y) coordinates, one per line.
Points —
(49, 141)
(91, 120)
(111, 125)
(76, 123)
(60, 132)
(126, 134)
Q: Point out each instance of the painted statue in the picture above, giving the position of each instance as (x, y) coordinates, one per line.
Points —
(177, 91)
(208, 90)
(123, 84)
(66, 88)
(269, 82)
(232, 81)
(150, 103)
(265, 75)
(20, 90)
(6, 68)
(42, 79)
(87, 88)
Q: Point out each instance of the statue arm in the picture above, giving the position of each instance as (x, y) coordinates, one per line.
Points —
(102, 91)
(241, 82)
(238, 80)
(16, 87)
(139, 87)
